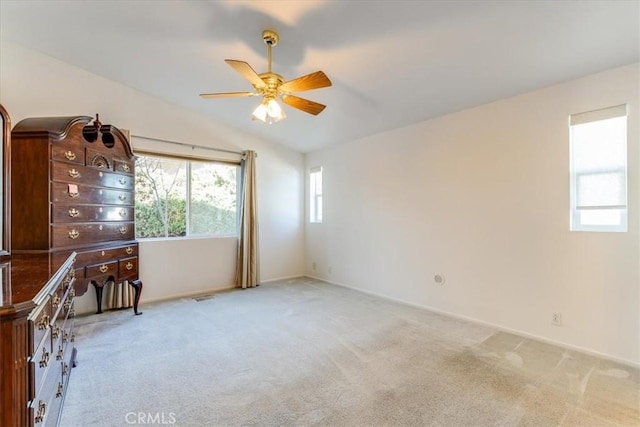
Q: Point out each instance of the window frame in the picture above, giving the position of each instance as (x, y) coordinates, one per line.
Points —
(315, 196)
(576, 223)
(188, 177)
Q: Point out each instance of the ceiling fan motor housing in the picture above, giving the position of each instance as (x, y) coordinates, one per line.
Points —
(270, 37)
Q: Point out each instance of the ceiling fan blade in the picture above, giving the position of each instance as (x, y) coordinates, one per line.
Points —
(246, 71)
(310, 81)
(303, 104)
(226, 95)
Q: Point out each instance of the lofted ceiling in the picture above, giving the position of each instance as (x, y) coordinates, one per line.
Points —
(392, 63)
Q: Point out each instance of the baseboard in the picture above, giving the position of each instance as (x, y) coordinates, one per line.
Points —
(209, 291)
(297, 276)
(187, 295)
(634, 364)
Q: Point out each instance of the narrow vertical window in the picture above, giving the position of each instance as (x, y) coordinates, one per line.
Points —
(315, 190)
(599, 170)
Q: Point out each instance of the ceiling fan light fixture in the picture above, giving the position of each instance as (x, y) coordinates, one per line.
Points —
(260, 113)
(272, 86)
(269, 111)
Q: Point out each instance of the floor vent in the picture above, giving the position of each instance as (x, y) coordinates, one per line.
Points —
(204, 297)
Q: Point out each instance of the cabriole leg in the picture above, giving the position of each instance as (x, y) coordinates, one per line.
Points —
(137, 290)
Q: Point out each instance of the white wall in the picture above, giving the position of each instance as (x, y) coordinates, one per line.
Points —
(35, 85)
(482, 197)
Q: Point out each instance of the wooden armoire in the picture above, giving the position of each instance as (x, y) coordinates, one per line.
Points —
(72, 186)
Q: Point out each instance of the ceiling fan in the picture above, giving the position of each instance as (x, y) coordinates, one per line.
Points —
(272, 86)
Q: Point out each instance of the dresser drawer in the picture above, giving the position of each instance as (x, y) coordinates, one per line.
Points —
(94, 256)
(89, 213)
(68, 333)
(127, 268)
(47, 404)
(39, 363)
(69, 153)
(55, 402)
(39, 321)
(123, 166)
(71, 173)
(104, 269)
(69, 235)
(60, 292)
(38, 412)
(83, 194)
(60, 312)
(98, 159)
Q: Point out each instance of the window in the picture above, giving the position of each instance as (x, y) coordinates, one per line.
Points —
(315, 190)
(599, 170)
(176, 197)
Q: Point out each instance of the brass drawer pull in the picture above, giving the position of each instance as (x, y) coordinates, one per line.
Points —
(60, 354)
(126, 168)
(70, 155)
(72, 293)
(65, 369)
(123, 230)
(73, 212)
(122, 197)
(74, 234)
(122, 181)
(42, 410)
(129, 266)
(73, 195)
(55, 333)
(43, 323)
(129, 250)
(45, 359)
(103, 268)
(60, 390)
(65, 337)
(73, 335)
(67, 304)
(123, 212)
(74, 173)
(55, 303)
(72, 313)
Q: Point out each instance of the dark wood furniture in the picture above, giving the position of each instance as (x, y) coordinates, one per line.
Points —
(5, 182)
(36, 336)
(72, 187)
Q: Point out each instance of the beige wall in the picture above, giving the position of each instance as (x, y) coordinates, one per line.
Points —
(482, 197)
(33, 85)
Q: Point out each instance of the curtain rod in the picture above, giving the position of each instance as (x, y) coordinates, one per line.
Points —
(192, 146)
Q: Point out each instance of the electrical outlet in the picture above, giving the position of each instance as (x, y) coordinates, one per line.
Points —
(556, 319)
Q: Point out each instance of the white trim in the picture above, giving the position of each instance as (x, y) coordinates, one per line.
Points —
(597, 115)
(634, 364)
(186, 295)
(297, 276)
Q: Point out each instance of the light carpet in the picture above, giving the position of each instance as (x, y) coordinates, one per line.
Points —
(306, 353)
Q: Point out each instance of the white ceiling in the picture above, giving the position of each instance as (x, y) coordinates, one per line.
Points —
(392, 63)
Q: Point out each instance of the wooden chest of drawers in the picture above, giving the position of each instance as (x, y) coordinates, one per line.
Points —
(51, 352)
(73, 185)
(36, 338)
